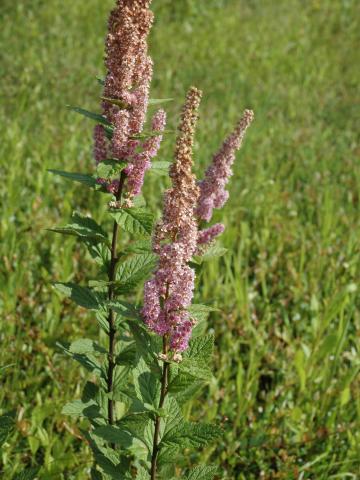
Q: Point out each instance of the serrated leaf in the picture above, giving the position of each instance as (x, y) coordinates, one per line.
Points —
(213, 251)
(87, 180)
(83, 227)
(136, 221)
(158, 101)
(109, 168)
(140, 246)
(142, 474)
(133, 270)
(160, 168)
(202, 472)
(183, 387)
(197, 359)
(28, 474)
(96, 475)
(150, 134)
(82, 296)
(148, 345)
(93, 116)
(192, 435)
(85, 345)
(87, 360)
(78, 408)
(146, 384)
(116, 101)
(200, 312)
(124, 309)
(127, 355)
(201, 348)
(114, 434)
(7, 424)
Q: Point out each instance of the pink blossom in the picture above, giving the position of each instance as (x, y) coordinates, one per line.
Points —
(207, 235)
(169, 293)
(141, 162)
(127, 85)
(100, 144)
(212, 188)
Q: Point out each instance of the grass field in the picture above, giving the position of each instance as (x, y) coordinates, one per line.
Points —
(287, 386)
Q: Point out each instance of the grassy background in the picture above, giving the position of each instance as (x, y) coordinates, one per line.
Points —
(287, 387)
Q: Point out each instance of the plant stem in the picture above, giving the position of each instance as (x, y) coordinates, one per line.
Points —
(111, 317)
(164, 387)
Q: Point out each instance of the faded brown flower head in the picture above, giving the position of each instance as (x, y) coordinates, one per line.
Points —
(181, 198)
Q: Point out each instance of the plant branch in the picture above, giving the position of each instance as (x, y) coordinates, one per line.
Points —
(111, 317)
(163, 393)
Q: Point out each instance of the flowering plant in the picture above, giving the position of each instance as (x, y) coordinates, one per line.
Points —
(156, 356)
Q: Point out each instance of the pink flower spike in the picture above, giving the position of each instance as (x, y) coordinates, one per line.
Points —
(209, 234)
(100, 144)
(212, 188)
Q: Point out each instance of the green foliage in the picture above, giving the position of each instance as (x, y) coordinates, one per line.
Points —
(110, 168)
(7, 424)
(136, 221)
(82, 296)
(97, 117)
(202, 473)
(87, 180)
(133, 270)
(83, 227)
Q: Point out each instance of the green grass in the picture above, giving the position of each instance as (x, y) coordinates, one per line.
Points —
(287, 338)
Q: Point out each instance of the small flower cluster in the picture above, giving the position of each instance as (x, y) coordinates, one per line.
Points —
(212, 188)
(169, 293)
(126, 94)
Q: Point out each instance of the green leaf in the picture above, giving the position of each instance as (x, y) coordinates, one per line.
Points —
(116, 101)
(87, 360)
(202, 472)
(184, 387)
(300, 365)
(151, 133)
(127, 355)
(148, 345)
(197, 359)
(147, 386)
(85, 345)
(7, 424)
(213, 251)
(192, 435)
(136, 221)
(87, 180)
(201, 349)
(158, 101)
(78, 408)
(28, 474)
(124, 309)
(110, 168)
(83, 227)
(133, 270)
(200, 312)
(115, 435)
(94, 116)
(96, 475)
(140, 246)
(80, 295)
(142, 474)
(160, 168)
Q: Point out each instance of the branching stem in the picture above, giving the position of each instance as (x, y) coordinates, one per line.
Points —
(163, 393)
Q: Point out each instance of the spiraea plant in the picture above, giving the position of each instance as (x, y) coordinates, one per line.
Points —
(151, 358)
